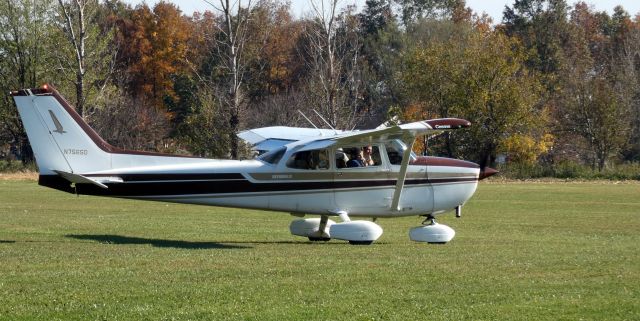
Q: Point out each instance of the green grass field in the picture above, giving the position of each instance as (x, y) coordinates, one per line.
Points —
(523, 251)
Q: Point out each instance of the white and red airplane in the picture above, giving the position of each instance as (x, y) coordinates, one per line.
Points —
(302, 171)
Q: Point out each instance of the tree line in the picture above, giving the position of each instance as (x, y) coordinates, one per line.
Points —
(549, 83)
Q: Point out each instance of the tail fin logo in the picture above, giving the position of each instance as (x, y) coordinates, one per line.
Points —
(59, 129)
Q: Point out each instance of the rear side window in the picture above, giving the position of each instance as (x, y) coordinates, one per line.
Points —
(309, 159)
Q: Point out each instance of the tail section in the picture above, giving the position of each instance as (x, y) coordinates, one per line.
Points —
(65, 145)
(60, 139)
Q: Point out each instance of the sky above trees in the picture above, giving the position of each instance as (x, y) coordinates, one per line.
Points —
(493, 8)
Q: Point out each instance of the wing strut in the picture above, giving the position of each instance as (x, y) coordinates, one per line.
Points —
(402, 175)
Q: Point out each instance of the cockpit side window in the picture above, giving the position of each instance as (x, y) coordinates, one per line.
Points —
(309, 159)
(395, 150)
(358, 156)
(394, 153)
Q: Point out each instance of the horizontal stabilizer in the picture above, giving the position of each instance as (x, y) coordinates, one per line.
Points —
(79, 179)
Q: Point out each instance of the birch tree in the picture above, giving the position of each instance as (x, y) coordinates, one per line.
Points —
(231, 38)
(86, 59)
(332, 54)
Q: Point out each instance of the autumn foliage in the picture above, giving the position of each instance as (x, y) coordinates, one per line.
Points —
(154, 47)
(551, 82)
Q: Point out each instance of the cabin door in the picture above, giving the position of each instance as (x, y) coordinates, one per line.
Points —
(417, 194)
(361, 180)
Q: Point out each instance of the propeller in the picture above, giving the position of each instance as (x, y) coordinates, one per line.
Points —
(484, 170)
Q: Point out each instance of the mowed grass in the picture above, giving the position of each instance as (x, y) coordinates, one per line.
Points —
(523, 251)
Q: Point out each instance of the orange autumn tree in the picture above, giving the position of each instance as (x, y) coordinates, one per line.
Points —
(154, 48)
(279, 53)
(415, 112)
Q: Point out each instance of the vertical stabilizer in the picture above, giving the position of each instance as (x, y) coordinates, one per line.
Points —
(58, 135)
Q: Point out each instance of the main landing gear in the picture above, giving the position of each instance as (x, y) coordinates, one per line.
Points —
(366, 232)
(432, 232)
(323, 229)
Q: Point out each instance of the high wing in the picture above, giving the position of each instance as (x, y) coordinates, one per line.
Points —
(270, 138)
(405, 132)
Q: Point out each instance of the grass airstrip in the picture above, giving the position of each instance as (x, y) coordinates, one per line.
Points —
(523, 251)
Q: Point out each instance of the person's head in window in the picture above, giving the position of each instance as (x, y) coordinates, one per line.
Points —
(356, 160)
(367, 159)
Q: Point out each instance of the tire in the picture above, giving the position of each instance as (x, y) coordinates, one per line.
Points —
(360, 242)
(319, 239)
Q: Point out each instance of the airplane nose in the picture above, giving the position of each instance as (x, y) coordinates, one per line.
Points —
(486, 172)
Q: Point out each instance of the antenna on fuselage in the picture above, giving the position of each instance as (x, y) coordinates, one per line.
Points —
(309, 120)
(325, 121)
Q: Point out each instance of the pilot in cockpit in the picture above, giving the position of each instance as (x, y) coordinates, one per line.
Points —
(356, 159)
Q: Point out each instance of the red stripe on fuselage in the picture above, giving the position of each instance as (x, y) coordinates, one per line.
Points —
(443, 161)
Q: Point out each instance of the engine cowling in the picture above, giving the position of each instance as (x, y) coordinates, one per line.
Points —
(356, 232)
(434, 233)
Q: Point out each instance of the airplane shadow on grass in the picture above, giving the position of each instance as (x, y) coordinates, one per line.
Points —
(120, 239)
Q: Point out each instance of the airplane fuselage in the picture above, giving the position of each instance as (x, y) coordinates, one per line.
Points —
(433, 185)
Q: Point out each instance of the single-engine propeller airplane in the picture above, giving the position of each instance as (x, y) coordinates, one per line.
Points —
(303, 171)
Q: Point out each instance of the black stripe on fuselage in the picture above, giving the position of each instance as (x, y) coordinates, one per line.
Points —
(177, 184)
(172, 176)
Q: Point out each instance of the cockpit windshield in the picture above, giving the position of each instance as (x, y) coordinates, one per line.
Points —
(274, 156)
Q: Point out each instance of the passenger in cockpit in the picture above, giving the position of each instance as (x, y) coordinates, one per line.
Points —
(356, 158)
(367, 153)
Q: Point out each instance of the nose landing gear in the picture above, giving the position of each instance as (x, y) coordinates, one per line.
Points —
(432, 232)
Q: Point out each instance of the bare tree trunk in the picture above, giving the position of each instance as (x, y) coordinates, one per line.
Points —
(77, 38)
(234, 86)
(334, 58)
(231, 50)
